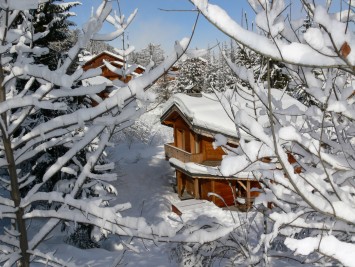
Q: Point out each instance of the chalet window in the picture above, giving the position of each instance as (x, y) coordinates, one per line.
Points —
(180, 138)
(197, 144)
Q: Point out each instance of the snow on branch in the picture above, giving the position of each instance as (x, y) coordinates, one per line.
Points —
(277, 49)
(21, 4)
(120, 28)
(327, 245)
(135, 87)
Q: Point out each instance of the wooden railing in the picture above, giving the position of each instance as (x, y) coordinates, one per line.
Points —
(173, 152)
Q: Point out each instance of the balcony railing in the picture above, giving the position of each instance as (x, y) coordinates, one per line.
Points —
(173, 152)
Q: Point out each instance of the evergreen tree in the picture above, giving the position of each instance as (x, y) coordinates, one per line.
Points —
(96, 47)
(53, 17)
(232, 53)
(219, 76)
(191, 78)
(39, 115)
(151, 52)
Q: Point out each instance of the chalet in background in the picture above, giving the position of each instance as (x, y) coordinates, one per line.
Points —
(116, 61)
(195, 122)
(114, 71)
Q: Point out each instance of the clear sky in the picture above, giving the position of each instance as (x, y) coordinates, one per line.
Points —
(152, 25)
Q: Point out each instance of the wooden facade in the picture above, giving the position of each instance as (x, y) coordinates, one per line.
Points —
(115, 60)
(195, 146)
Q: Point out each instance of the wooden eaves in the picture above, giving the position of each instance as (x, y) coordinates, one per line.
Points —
(164, 119)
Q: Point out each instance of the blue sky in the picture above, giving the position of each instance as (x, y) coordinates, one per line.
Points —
(161, 27)
(152, 25)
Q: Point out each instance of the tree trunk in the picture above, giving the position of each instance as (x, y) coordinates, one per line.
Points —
(15, 190)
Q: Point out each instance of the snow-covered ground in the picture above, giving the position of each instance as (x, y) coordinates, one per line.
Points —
(145, 181)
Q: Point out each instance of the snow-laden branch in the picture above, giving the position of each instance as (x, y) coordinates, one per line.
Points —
(120, 28)
(30, 101)
(89, 136)
(21, 4)
(26, 152)
(317, 202)
(135, 87)
(50, 224)
(49, 259)
(326, 245)
(290, 134)
(136, 227)
(92, 207)
(80, 91)
(302, 155)
(6, 202)
(292, 53)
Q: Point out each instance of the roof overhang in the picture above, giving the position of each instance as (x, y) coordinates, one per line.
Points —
(209, 176)
(174, 112)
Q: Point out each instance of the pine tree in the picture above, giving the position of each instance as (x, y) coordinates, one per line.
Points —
(53, 17)
(151, 52)
(191, 77)
(96, 47)
(38, 115)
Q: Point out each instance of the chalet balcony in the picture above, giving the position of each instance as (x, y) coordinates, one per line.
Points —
(174, 152)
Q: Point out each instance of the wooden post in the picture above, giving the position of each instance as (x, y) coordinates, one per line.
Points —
(179, 183)
(248, 195)
(192, 143)
(196, 188)
(213, 190)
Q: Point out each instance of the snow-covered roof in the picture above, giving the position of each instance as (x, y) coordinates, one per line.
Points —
(199, 170)
(96, 80)
(214, 112)
(205, 112)
(111, 54)
(85, 58)
(120, 61)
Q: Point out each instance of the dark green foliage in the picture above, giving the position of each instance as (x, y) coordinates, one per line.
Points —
(81, 237)
(53, 17)
(251, 60)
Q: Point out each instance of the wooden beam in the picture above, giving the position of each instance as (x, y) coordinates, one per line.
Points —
(179, 183)
(192, 142)
(197, 144)
(196, 188)
(213, 190)
(248, 195)
(176, 210)
(242, 185)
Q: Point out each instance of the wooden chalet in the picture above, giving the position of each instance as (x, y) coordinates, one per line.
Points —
(195, 122)
(115, 60)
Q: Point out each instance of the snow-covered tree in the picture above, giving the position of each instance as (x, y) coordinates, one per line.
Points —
(191, 75)
(96, 47)
(26, 87)
(153, 52)
(302, 155)
(54, 18)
